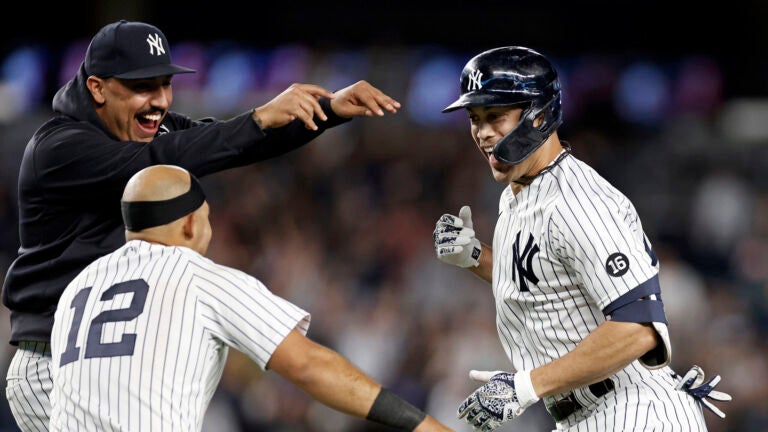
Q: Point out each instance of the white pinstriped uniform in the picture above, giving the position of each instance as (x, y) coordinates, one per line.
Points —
(184, 311)
(29, 386)
(577, 220)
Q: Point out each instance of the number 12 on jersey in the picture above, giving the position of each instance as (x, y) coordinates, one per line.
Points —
(93, 345)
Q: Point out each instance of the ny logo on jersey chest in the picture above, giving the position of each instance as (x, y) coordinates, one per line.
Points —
(522, 262)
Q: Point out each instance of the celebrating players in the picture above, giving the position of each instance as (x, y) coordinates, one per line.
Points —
(113, 119)
(575, 279)
(141, 335)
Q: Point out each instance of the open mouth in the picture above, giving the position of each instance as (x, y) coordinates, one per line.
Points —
(149, 122)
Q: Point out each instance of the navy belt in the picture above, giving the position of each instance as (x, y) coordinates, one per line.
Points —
(561, 409)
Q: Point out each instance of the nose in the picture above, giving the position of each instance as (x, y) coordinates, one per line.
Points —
(484, 131)
(162, 97)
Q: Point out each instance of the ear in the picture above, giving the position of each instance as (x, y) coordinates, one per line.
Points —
(96, 87)
(188, 229)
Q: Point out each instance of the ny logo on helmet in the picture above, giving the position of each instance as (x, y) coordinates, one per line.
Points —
(155, 43)
(475, 82)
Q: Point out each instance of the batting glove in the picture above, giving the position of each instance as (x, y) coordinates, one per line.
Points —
(504, 397)
(691, 383)
(455, 241)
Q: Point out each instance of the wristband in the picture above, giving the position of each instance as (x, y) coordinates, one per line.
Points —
(526, 395)
(391, 410)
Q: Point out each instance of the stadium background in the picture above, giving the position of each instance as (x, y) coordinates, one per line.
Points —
(669, 101)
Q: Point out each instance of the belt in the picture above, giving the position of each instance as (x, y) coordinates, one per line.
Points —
(561, 409)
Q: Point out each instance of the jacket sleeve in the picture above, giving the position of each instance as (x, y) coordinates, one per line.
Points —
(77, 157)
(290, 137)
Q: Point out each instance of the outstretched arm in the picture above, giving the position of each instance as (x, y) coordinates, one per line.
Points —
(302, 112)
(332, 380)
(301, 102)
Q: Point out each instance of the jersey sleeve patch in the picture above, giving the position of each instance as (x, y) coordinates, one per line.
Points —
(617, 264)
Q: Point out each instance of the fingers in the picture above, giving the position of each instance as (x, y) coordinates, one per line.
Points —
(299, 101)
(720, 396)
(374, 99)
(482, 376)
(713, 408)
(465, 213)
(306, 97)
(713, 382)
(450, 220)
(363, 100)
(454, 236)
(483, 422)
(687, 380)
(466, 406)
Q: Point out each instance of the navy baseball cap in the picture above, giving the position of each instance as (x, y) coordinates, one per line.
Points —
(130, 50)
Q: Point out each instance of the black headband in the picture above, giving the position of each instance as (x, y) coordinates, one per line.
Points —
(139, 215)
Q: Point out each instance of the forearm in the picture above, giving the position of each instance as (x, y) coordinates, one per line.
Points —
(484, 269)
(608, 349)
(282, 140)
(334, 381)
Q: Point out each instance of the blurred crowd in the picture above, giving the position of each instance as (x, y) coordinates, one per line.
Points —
(343, 228)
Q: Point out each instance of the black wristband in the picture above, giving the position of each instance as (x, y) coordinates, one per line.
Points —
(389, 409)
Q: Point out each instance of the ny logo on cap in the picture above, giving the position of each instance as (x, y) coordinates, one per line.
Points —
(155, 43)
(475, 82)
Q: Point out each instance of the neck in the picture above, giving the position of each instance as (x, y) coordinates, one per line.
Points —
(541, 161)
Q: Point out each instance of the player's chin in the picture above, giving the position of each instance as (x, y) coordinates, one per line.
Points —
(500, 176)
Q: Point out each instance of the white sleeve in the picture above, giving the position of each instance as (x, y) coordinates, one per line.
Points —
(611, 255)
(241, 311)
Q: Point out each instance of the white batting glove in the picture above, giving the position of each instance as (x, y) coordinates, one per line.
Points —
(693, 383)
(504, 397)
(455, 241)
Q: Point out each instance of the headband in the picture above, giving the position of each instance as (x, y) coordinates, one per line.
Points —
(139, 215)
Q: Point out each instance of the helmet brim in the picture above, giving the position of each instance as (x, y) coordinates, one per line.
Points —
(483, 99)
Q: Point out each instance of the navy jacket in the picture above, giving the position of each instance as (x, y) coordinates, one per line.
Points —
(72, 177)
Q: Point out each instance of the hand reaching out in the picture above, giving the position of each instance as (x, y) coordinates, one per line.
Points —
(361, 99)
(299, 101)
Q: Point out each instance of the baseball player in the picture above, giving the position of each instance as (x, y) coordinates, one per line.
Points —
(579, 309)
(141, 335)
(113, 119)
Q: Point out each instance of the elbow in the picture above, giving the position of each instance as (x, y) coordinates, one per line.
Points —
(647, 338)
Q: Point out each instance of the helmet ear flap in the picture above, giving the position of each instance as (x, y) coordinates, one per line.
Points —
(525, 138)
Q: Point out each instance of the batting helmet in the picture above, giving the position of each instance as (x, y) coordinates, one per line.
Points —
(514, 75)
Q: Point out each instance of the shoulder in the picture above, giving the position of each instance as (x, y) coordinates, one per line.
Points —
(176, 121)
(579, 182)
(215, 273)
(63, 128)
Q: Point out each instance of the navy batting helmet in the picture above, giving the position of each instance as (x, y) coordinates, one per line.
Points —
(520, 76)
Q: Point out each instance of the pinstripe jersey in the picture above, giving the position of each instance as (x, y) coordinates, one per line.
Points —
(141, 336)
(564, 248)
